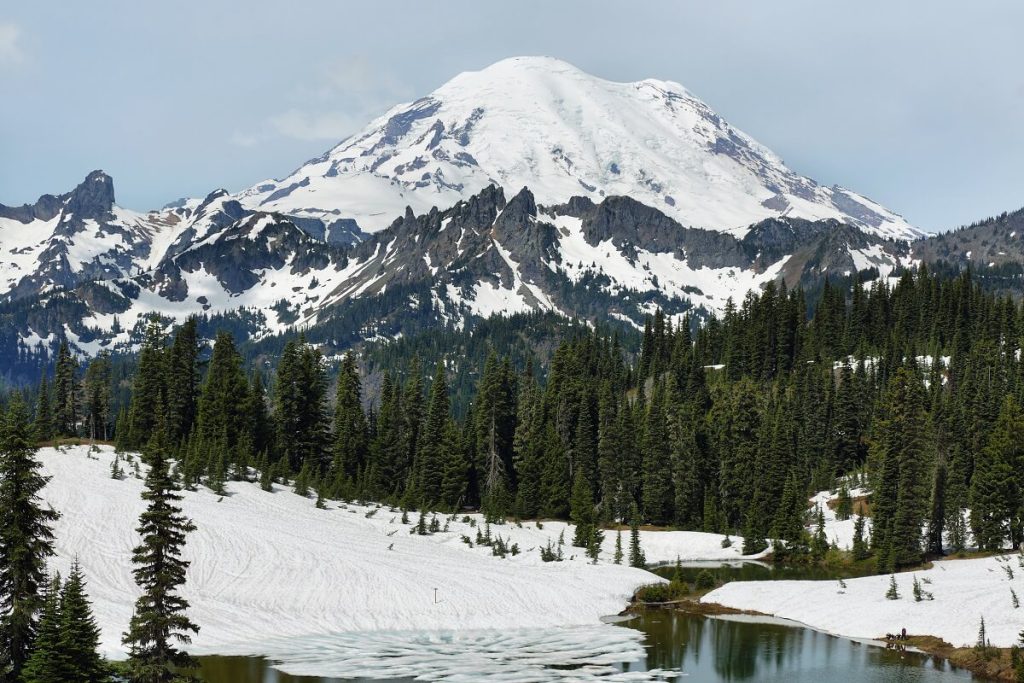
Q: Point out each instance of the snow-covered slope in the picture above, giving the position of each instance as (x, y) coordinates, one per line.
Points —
(62, 240)
(964, 591)
(542, 123)
(82, 235)
(272, 566)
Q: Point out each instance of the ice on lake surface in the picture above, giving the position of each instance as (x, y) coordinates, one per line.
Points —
(578, 654)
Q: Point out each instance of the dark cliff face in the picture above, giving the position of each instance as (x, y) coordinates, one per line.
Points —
(93, 198)
(238, 255)
(45, 208)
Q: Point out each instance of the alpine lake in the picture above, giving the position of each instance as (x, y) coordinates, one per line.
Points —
(670, 644)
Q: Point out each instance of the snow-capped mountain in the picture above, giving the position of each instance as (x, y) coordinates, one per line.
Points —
(81, 236)
(617, 259)
(528, 186)
(541, 123)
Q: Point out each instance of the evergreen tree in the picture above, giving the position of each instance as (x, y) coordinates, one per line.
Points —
(658, 496)
(581, 509)
(494, 413)
(183, 380)
(148, 388)
(430, 461)
(43, 425)
(859, 547)
(350, 431)
(223, 395)
(994, 497)
(26, 538)
(844, 504)
(65, 392)
(937, 515)
(79, 634)
(893, 593)
(300, 408)
(97, 397)
(819, 542)
(636, 553)
(159, 622)
(905, 453)
(47, 664)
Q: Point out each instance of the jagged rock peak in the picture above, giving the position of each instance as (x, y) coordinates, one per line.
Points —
(93, 198)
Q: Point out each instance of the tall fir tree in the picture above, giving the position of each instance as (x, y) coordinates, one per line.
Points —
(26, 539)
(183, 381)
(223, 395)
(905, 454)
(47, 663)
(160, 623)
(994, 496)
(79, 635)
(430, 458)
(350, 429)
(66, 392)
(43, 424)
(97, 403)
(148, 387)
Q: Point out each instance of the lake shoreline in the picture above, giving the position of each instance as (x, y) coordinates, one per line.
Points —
(996, 666)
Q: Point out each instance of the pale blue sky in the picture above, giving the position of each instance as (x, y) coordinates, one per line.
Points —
(918, 105)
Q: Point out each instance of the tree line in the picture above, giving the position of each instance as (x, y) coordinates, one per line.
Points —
(727, 425)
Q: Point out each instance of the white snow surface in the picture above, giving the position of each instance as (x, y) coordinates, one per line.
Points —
(838, 532)
(270, 570)
(542, 123)
(964, 592)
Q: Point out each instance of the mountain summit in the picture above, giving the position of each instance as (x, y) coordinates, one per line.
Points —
(542, 123)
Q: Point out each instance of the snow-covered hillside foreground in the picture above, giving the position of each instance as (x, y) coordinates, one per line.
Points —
(964, 591)
(269, 569)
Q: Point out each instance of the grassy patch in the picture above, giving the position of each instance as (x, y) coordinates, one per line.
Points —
(994, 663)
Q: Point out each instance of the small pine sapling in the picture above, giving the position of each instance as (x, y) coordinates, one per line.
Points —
(982, 643)
(893, 592)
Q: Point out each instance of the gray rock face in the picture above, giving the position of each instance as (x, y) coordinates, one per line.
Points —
(487, 253)
(94, 198)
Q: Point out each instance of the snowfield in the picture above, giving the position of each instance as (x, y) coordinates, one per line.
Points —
(271, 567)
(964, 591)
(349, 591)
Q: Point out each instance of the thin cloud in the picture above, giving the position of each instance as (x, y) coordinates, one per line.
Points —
(10, 49)
(240, 139)
(348, 93)
(302, 125)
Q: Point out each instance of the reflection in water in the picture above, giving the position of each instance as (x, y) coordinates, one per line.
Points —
(701, 648)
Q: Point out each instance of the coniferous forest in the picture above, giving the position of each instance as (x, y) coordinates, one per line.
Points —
(913, 392)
